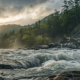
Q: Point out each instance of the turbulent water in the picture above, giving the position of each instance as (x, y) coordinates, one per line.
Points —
(38, 64)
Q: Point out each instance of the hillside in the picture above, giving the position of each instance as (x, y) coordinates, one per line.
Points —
(7, 28)
(50, 29)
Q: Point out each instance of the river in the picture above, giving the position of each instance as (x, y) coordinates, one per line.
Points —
(38, 64)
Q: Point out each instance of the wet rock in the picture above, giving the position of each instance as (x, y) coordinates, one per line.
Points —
(78, 47)
(65, 40)
(72, 75)
(32, 47)
(43, 46)
(69, 45)
(2, 78)
(37, 47)
(3, 66)
(52, 45)
(25, 48)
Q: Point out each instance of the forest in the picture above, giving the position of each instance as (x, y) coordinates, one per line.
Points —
(59, 24)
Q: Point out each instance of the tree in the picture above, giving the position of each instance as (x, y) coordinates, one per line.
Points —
(76, 3)
(39, 40)
(65, 5)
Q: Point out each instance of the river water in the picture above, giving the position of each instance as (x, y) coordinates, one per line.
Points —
(38, 64)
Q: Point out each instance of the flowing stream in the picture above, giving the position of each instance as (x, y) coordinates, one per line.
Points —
(37, 64)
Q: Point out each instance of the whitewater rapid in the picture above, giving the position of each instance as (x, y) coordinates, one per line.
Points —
(38, 64)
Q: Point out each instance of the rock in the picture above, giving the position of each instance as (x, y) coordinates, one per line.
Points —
(65, 40)
(25, 48)
(2, 78)
(37, 47)
(52, 45)
(72, 75)
(32, 47)
(19, 48)
(43, 46)
(69, 45)
(78, 47)
(3, 66)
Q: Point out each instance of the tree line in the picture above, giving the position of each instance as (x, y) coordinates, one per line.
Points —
(60, 23)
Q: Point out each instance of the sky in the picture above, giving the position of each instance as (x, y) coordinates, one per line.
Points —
(26, 12)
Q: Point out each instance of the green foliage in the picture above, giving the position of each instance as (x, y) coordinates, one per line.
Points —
(65, 35)
(39, 40)
(64, 23)
(29, 40)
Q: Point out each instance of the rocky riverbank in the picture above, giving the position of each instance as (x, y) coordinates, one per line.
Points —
(73, 43)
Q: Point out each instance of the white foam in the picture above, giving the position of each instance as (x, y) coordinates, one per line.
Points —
(41, 62)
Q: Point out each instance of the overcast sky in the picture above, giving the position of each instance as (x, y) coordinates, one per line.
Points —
(26, 12)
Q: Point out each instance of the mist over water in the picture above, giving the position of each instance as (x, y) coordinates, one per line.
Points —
(38, 64)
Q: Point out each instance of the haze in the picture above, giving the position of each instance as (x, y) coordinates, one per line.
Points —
(26, 12)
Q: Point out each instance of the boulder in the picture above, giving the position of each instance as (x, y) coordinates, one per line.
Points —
(52, 45)
(72, 75)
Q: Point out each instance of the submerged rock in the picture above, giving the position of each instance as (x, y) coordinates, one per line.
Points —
(72, 75)
(2, 78)
(3, 66)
